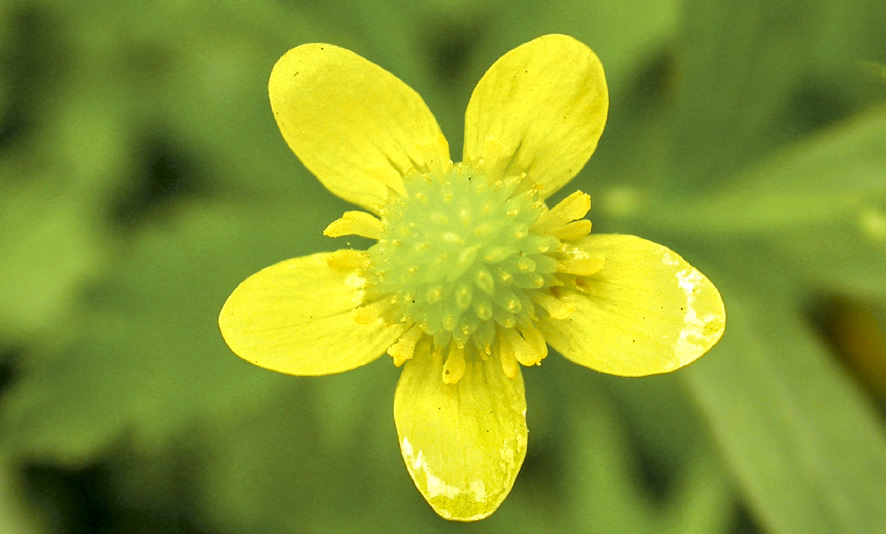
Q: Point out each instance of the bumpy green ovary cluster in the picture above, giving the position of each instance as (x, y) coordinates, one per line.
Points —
(457, 257)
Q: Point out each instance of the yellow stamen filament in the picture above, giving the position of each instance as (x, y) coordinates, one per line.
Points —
(572, 231)
(372, 312)
(571, 208)
(355, 223)
(535, 350)
(528, 349)
(454, 368)
(509, 363)
(555, 307)
(581, 266)
(347, 259)
(404, 348)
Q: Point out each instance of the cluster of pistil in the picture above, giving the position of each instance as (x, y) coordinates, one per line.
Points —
(468, 267)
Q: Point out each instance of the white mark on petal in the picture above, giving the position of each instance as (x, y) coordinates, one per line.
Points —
(507, 455)
(478, 488)
(669, 258)
(355, 280)
(436, 486)
(577, 253)
(406, 448)
(692, 340)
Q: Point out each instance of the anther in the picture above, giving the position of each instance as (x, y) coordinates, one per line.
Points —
(454, 368)
(555, 307)
(581, 266)
(347, 259)
(571, 208)
(509, 362)
(371, 312)
(534, 349)
(355, 223)
(572, 231)
(404, 348)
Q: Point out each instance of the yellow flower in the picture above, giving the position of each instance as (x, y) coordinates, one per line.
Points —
(472, 274)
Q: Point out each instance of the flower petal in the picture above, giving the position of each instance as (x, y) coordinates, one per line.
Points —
(356, 126)
(646, 312)
(463, 443)
(540, 109)
(295, 317)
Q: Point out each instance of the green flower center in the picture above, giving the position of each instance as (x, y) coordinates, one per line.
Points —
(457, 257)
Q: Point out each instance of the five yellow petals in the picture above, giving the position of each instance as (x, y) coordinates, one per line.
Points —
(615, 303)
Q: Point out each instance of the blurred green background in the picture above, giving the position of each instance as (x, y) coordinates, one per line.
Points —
(142, 177)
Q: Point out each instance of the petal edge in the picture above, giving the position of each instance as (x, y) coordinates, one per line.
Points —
(539, 109)
(294, 317)
(463, 444)
(646, 312)
(353, 124)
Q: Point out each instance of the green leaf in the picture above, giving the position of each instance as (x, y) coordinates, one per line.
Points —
(14, 516)
(147, 355)
(846, 256)
(739, 62)
(610, 495)
(808, 451)
(839, 174)
(49, 246)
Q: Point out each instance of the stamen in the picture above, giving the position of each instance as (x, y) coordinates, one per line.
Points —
(572, 231)
(571, 208)
(485, 337)
(355, 223)
(442, 339)
(454, 368)
(404, 348)
(373, 311)
(555, 307)
(581, 266)
(535, 348)
(509, 363)
(347, 259)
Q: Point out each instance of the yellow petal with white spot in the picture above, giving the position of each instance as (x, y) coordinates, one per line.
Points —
(540, 109)
(356, 126)
(463, 443)
(295, 317)
(645, 312)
